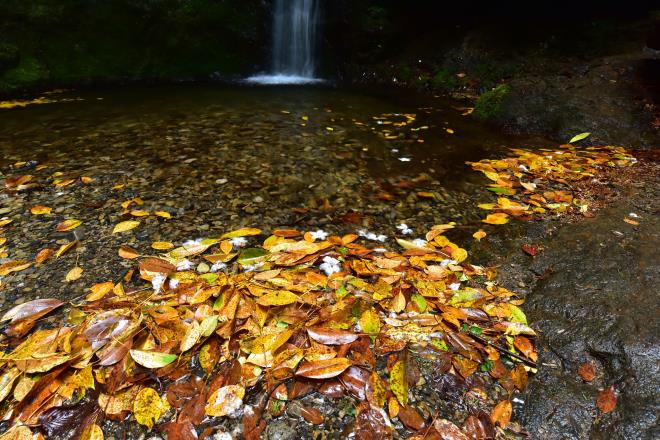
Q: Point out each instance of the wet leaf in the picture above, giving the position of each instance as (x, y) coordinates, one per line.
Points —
(411, 418)
(148, 407)
(31, 310)
(92, 432)
(41, 210)
(66, 248)
(163, 214)
(125, 226)
(152, 359)
(243, 232)
(370, 322)
(68, 225)
(278, 298)
(13, 266)
(501, 414)
(162, 245)
(606, 400)
(312, 415)
(99, 290)
(499, 218)
(74, 274)
(128, 253)
(399, 382)
(43, 255)
(331, 336)
(530, 249)
(225, 401)
(324, 368)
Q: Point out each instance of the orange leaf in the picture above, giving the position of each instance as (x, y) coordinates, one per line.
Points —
(606, 400)
(323, 368)
(501, 414)
(68, 225)
(587, 371)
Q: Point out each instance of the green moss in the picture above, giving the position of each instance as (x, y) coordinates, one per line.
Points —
(489, 105)
(28, 71)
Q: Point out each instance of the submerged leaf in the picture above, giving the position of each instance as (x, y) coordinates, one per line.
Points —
(125, 226)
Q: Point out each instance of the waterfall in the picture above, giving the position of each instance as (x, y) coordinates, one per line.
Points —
(295, 25)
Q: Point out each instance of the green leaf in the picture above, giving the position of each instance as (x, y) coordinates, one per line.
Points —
(152, 359)
(208, 325)
(252, 255)
(420, 301)
(579, 137)
(517, 315)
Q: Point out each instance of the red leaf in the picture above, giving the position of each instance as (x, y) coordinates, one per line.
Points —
(606, 400)
(530, 249)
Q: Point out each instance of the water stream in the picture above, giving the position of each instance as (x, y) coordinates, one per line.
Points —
(295, 37)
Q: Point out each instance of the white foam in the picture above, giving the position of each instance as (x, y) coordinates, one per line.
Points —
(281, 79)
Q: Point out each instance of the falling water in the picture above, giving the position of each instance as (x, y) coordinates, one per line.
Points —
(294, 43)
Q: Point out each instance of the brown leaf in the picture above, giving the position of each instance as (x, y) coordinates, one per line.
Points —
(411, 418)
(478, 426)
(312, 415)
(606, 400)
(448, 431)
(370, 424)
(43, 255)
(324, 368)
(128, 252)
(331, 336)
(530, 249)
(32, 310)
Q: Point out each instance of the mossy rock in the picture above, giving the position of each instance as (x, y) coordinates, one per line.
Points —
(489, 105)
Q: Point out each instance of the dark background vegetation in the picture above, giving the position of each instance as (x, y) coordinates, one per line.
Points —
(494, 52)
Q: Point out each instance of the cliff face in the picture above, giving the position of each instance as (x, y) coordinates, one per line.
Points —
(62, 42)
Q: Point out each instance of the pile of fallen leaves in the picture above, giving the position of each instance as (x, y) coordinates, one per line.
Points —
(210, 330)
(535, 183)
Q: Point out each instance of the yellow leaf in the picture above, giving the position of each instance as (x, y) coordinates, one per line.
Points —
(399, 382)
(499, 218)
(243, 232)
(74, 274)
(139, 213)
(148, 407)
(479, 235)
(579, 137)
(5, 222)
(163, 214)
(226, 400)
(100, 290)
(41, 210)
(370, 322)
(125, 226)
(162, 245)
(459, 254)
(152, 359)
(68, 225)
(279, 298)
(43, 255)
(65, 248)
(192, 336)
(92, 432)
(86, 180)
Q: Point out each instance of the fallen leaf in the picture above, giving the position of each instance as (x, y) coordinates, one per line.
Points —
(370, 322)
(152, 359)
(125, 226)
(31, 309)
(74, 274)
(148, 407)
(243, 232)
(312, 415)
(92, 432)
(163, 214)
(68, 225)
(501, 414)
(530, 249)
(399, 382)
(587, 371)
(225, 401)
(162, 245)
(128, 252)
(606, 400)
(278, 298)
(41, 210)
(323, 368)
(44, 255)
(331, 336)
(498, 218)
